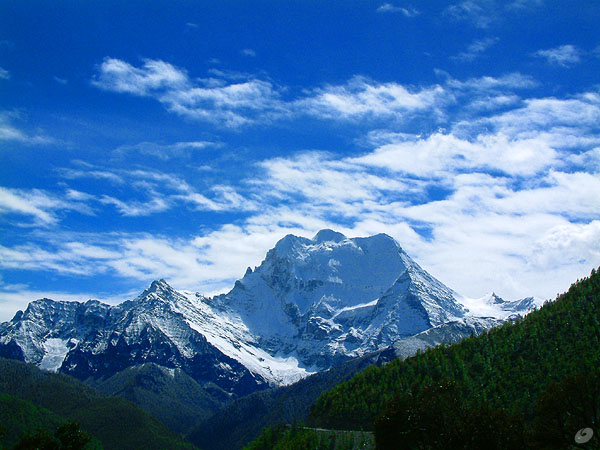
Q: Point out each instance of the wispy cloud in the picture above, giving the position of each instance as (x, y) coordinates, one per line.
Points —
(234, 99)
(390, 8)
(4, 74)
(524, 4)
(248, 52)
(10, 132)
(476, 49)
(217, 101)
(151, 191)
(481, 13)
(214, 260)
(165, 151)
(484, 13)
(565, 55)
(37, 204)
(135, 208)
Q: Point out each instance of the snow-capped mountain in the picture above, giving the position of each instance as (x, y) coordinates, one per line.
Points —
(325, 299)
(310, 304)
(89, 340)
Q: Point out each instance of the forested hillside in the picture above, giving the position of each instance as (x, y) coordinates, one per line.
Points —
(506, 367)
(530, 384)
(174, 398)
(34, 398)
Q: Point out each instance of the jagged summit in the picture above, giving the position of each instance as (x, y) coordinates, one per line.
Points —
(310, 304)
(495, 299)
(157, 288)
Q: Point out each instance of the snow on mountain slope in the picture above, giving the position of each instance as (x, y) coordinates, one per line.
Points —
(490, 305)
(227, 332)
(312, 303)
(326, 299)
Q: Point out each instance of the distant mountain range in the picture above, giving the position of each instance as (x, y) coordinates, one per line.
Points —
(310, 305)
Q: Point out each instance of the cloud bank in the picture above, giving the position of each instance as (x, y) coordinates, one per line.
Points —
(500, 191)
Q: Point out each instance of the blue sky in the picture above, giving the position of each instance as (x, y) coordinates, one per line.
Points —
(182, 139)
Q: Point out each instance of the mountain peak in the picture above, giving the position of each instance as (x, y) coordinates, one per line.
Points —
(495, 299)
(327, 235)
(158, 289)
(159, 285)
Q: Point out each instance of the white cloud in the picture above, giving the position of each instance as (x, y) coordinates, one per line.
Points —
(481, 211)
(567, 245)
(4, 74)
(106, 175)
(211, 262)
(338, 187)
(565, 55)
(155, 75)
(441, 154)
(361, 97)
(212, 100)
(549, 115)
(224, 198)
(233, 104)
(390, 8)
(484, 205)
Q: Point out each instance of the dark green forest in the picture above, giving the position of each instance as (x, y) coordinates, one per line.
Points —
(295, 437)
(528, 384)
(35, 400)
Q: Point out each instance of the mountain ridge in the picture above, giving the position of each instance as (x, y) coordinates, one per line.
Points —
(309, 305)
